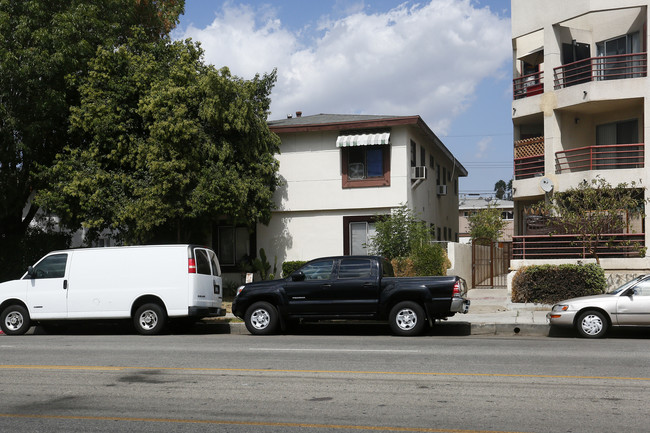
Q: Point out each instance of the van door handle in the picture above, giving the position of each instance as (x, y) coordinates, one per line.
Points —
(65, 284)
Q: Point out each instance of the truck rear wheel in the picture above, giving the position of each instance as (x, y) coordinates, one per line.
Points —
(149, 319)
(14, 320)
(407, 319)
(261, 318)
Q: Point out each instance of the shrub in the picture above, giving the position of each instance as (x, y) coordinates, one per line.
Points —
(403, 267)
(291, 266)
(430, 259)
(548, 284)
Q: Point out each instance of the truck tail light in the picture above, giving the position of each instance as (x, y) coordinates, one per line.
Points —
(456, 293)
(191, 266)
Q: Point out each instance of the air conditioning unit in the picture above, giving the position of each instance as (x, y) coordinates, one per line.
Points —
(442, 189)
(418, 173)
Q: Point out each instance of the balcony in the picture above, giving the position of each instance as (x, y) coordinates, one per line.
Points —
(603, 157)
(529, 158)
(528, 85)
(601, 68)
(615, 245)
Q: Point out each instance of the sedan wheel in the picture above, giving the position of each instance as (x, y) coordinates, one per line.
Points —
(592, 324)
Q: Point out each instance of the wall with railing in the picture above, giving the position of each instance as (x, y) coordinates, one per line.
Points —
(529, 158)
(601, 68)
(602, 157)
(528, 85)
(572, 246)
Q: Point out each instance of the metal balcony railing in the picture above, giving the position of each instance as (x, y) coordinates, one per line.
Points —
(529, 158)
(602, 157)
(601, 68)
(528, 85)
(615, 245)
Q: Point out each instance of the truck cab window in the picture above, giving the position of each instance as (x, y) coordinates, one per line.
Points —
(320, 270)
(355, 268)
(50, 267)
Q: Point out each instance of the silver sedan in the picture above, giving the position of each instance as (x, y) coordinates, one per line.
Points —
(629, 305)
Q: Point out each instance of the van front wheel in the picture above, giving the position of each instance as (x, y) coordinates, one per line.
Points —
(149, 319)
(14, 320)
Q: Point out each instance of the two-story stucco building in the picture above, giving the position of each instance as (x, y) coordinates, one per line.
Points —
(580, 110)
(341, 171)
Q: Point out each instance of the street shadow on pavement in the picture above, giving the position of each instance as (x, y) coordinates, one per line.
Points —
(618, 332)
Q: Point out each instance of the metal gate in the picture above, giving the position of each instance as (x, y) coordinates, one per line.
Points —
(490, 263)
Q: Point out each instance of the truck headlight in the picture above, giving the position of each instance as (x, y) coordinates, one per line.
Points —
(239, 289)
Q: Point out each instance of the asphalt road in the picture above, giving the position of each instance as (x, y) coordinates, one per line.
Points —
(354, 379)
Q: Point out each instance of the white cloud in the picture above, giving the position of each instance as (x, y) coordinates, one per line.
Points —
(482, 147)
(425, 59)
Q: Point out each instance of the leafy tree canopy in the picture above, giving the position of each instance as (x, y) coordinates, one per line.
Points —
(45, 48)
(503, 190)
(168, 145)
(486, 224)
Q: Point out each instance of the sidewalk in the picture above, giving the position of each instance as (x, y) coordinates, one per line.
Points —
(492, 312)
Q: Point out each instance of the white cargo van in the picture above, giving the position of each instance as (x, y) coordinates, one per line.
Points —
(147, 284)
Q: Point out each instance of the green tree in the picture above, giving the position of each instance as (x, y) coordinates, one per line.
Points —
(503, 190)
(170, 145)
(594, 211)
(45, 46)
(397, 233)
(486, 224)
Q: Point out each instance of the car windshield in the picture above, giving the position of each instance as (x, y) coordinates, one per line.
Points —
(627, 285)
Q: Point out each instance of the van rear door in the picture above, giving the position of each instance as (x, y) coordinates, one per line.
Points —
(207, 290)
(47, 287)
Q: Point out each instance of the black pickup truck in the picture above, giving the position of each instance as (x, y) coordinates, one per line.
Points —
(350, 287)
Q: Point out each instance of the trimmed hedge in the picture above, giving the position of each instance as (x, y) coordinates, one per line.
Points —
(289, 267)
(549, 284)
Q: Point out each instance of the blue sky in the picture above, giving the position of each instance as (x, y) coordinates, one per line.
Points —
(448, 61)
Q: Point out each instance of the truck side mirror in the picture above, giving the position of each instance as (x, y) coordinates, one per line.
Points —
(298, 276)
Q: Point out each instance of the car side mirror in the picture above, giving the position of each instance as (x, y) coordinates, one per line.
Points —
(630, 292)
(298, 276)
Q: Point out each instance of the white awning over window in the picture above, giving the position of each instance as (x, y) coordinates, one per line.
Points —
(363, 139)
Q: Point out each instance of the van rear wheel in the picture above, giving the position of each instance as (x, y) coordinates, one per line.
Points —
(15, 320)
(149, 319)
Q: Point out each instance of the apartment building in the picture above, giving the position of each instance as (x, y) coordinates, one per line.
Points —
(340, 172)
(580, 110)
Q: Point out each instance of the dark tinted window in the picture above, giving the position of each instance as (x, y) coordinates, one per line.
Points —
(202, 262)
(320, 270)
(51, 267)
(355, 268)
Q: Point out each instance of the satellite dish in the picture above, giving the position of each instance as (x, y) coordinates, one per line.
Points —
(546, 184)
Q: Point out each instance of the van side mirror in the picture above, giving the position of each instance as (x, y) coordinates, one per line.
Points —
(31, 272)
(298, 276)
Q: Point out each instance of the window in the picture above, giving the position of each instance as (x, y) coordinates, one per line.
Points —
(365, 162)
(625, 132)
(507, 215)
(431, 162)
(357, 234)
(365, 166)
(438, 173)
(444, 175)
(413, 154)
(319, 270)
(50, 267)
(355, 268)
(620, 67)
(233, 245)
(423, 156)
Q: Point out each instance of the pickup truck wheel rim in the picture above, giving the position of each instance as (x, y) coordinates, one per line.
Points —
(406, 319)
(14, 320)
(148, 319)
(592, 324)
(260, 319)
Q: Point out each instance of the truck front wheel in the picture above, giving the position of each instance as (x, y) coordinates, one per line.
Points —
(261, 318)
(407, 319)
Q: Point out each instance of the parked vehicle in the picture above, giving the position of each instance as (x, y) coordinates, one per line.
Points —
(592, 316)
(350, 287)
(147, 284)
